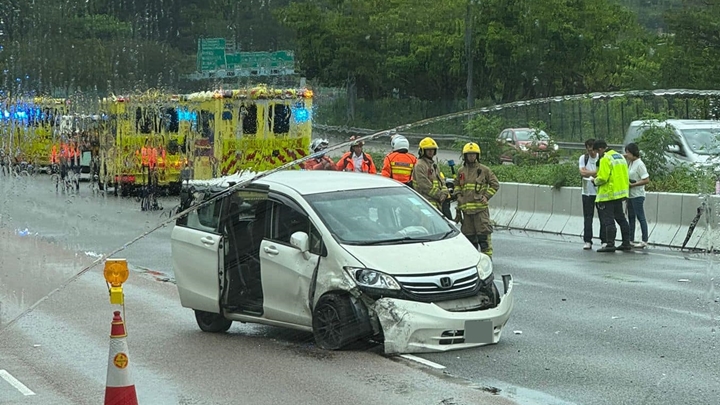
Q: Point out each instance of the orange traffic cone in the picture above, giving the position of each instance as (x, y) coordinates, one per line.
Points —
(120, 388)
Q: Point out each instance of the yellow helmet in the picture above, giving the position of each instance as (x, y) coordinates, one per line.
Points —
(428, 143)
(471, 147)
(425, 144)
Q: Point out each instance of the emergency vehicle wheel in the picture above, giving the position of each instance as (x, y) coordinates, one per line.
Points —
(334, 322)
(213, 323)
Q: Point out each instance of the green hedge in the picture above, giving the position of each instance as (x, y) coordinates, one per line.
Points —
(567, 175)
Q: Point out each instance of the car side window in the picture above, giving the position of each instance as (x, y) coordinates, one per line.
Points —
(287, 220)
(205, 218)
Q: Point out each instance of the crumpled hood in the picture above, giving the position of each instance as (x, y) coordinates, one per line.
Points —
(417, 258)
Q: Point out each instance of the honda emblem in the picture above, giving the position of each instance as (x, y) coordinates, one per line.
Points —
(445, 282)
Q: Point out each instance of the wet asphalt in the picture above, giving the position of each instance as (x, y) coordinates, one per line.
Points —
(587, 328)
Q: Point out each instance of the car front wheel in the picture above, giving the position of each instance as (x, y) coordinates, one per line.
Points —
(335, 324)
(213, 323)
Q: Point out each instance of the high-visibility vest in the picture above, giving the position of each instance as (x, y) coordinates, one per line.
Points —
(399, 166)
(152, 157)
(54, 155)
(612, 177)
(145, 156)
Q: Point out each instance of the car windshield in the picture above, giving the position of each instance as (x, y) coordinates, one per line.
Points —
(528, 135)
(391, 215)
(703, 141)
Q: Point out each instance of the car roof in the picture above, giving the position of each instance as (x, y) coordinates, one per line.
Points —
(306, 182)
(683, 124)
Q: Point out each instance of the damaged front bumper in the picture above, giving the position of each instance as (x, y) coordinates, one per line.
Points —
(417, 327)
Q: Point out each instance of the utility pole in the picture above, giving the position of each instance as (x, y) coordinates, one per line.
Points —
(469, 54)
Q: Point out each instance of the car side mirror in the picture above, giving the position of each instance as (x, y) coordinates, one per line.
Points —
(673, 149)
(509, 140)
(301, 241)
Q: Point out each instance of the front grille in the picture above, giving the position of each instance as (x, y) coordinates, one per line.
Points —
(442, 286)
(452, 337)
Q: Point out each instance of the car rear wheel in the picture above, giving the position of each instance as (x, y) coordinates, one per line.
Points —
(213, 323)
(335, 324)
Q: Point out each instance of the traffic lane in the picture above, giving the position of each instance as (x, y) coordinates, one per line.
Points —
(96, 224)
(597, 328)
(60, 352)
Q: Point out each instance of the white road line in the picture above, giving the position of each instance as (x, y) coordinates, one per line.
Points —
(422, 361)
(15, 383)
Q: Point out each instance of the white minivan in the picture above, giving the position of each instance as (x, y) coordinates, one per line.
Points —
(346, 256)
(697, 142)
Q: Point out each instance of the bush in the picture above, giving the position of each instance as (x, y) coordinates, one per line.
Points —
(556, 175)
(484, 131)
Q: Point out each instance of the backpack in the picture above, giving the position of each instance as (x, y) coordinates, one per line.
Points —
(587, 157)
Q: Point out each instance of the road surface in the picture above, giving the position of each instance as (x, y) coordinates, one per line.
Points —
(588, 328)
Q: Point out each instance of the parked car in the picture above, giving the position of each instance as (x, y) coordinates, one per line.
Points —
(345, 256)
(697, 142)
(523, 143)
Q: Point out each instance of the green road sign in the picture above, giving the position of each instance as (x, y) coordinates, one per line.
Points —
(211, 54)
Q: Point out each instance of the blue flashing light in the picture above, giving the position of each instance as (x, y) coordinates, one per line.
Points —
(302, 115)
(184, 115)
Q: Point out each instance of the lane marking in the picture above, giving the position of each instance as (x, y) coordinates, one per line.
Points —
(15, 383)
(423, 361)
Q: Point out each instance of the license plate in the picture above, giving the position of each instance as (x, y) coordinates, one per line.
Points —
(479, 331)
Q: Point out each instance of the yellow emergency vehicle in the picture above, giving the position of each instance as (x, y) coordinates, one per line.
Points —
(254, 129)
(27, 128)
(212, 134)
(135, 124)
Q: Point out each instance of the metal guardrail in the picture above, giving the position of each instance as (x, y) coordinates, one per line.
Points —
(438, 137)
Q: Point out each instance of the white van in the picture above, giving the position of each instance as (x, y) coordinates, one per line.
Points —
(346, 256)
(696, 141)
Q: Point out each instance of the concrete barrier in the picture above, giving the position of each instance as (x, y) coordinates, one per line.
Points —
(561, 210)
(525, 205)
(504, 204)
(668, 218)
(690, 205)
(651, 214)
(542, 210)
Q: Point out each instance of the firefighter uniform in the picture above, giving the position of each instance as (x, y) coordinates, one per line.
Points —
(347, 162)
(399, 164)
(426, 177)
(475, 185)
(321, 163)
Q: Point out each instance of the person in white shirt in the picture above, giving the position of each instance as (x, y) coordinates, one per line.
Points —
(639, 177)
(588, 169)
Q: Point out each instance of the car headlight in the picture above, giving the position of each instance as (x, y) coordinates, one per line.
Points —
(556, 147)
(484, 267)
(523, 147)
(372, 278)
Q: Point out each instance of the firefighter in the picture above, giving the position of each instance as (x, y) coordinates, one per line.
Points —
(475, 185)
(399, 163)
(426, 177)
(356, 160)
(322, 162)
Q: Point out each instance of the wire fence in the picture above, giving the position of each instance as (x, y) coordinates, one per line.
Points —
(568, 118)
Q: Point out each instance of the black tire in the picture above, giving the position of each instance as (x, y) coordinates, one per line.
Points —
(213, 323)
(335, 324)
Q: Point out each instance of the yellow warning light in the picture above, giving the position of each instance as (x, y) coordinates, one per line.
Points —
(116, 271)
